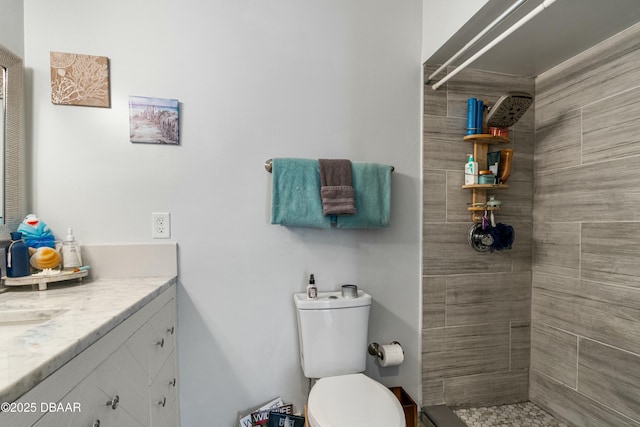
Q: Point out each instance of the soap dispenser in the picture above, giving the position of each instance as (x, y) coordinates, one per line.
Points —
(312, 290)
(71, 256)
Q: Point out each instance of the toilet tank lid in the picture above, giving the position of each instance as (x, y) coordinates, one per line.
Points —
(331, 300)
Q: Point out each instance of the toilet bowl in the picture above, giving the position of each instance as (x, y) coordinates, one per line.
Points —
(353, 400)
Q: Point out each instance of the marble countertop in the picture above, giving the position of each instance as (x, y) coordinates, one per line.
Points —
(42, 330)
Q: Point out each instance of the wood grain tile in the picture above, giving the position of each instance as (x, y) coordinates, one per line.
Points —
(520, 345)
(610, 375)
(444, 147)
(554, 353)
(487, 389)
(567, 404)
(605, 313)
(435, 101)
(434, 195)
(489, 87)
(610, 253)
(446, 251)
(611, 129)
(488, 298)
(606, 191)
(457, 198)
(556, 248)
(559, 142)
(465, 350)
(432, 392)
(602, 71)
(433, 305)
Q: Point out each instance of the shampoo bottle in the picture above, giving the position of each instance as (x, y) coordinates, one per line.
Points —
(312, 290)
(71, 256)
(470, 171)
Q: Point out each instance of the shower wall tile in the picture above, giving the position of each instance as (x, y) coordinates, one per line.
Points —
(605, 191)
(610, 253)
(489, 87)
(436, 104)
(609, 68)
(465, 350)
(487, 389)
(522, 251)
(476, 306)
(586, 291)
(567, 404)
(457, 198)
(559, 142)
(609, 314)
(488, 298)
(444, 147)
(446, 251)
(611, 129)
(610, 375)
(520, 345)
(433, 305)
(432, 392)
(435, 195)
(555, 354)
(556, 248)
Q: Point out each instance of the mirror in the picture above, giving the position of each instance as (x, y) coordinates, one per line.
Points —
(11, 137)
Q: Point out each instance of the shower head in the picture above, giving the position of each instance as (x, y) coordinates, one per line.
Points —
(508, 109)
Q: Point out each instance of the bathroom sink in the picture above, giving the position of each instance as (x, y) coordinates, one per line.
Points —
(14, 322)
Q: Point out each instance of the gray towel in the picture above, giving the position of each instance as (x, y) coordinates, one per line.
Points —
(336, 191)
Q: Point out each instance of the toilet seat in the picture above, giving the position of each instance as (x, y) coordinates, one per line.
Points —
(353, 401)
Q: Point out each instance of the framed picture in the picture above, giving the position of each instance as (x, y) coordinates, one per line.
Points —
(154, 120)
(79, 79)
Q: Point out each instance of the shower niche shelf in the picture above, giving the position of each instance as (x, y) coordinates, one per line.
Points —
(481, 144)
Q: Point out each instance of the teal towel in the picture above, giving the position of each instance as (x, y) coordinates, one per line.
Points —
(372, 184)
(296, 194)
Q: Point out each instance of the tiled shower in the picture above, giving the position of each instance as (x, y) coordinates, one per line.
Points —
(556, 320)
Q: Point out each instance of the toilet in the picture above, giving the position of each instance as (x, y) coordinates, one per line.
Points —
(332, 331)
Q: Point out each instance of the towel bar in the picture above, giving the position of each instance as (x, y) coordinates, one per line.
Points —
(269, 162)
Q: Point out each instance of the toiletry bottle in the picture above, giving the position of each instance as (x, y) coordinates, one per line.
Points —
(71, 256)
(17, 256)
(312, 290)
(470, 171)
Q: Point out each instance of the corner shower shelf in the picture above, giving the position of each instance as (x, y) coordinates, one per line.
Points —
(481, 144)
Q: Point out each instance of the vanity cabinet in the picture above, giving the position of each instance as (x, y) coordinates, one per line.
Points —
(126, 378)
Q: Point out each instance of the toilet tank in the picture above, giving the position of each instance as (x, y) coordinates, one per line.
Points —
(332, 331)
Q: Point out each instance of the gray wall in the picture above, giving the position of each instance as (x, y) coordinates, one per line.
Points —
(586, 287)
(255, 80)
(476, 312)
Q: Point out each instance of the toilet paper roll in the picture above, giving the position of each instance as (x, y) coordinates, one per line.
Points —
(390, 355)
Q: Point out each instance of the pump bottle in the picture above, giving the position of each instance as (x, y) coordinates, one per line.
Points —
(312, 290)
(71, 256)
(470, 171)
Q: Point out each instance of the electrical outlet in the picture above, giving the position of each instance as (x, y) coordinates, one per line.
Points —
(160, 225)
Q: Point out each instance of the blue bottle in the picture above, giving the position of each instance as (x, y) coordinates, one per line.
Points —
(472, 116)
(17, 257)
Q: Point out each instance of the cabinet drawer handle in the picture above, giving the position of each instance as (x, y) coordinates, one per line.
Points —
(170, 330)
(114, 402)
(96, 423)
(163, 401)
(160, 343)
(172, 383)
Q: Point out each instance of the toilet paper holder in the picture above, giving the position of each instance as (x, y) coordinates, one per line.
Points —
(374, 349)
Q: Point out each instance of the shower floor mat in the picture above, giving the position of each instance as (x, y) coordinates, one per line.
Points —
(525, 414)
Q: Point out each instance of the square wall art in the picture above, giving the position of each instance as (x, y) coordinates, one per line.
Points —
(79, 79)
(153, 120)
